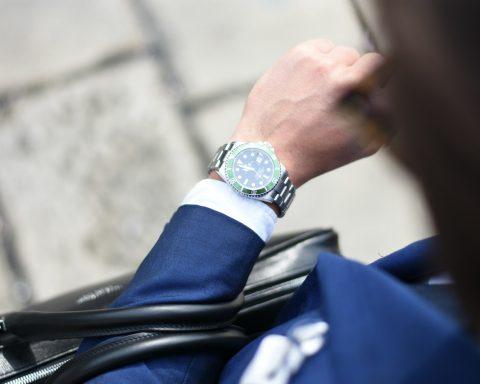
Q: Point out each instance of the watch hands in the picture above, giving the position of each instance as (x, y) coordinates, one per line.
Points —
(246, 167)
(251, 169)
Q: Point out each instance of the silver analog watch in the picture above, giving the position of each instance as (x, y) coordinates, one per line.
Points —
(253, 170)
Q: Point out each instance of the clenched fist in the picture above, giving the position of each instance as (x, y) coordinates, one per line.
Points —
(293, 106)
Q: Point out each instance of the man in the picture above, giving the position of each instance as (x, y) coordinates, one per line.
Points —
(348, 323)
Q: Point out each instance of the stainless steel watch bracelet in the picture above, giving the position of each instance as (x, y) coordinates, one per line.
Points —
(220, 156)
(281, 195)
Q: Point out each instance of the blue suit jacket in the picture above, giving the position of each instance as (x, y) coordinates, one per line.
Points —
(380, 331)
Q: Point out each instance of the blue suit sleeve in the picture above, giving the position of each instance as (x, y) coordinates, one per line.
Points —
(202, 256)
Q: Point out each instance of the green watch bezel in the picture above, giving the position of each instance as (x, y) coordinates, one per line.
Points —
(230, 178)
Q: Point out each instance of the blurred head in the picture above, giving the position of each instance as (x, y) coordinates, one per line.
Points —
(436, 109)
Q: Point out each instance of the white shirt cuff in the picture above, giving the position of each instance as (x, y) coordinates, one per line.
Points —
(220, 197)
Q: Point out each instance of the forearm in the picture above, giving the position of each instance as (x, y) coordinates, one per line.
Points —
(202, 256)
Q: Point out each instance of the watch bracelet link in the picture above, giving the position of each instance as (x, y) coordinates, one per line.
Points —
(282, 194)
(219, 156)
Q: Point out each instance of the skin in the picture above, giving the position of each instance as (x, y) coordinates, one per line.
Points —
(293, 106)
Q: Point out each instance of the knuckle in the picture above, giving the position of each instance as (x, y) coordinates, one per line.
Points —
(322, 45)
(325, 65)
(346, 55)
(302, 52)
(303, 48)
(306, 56)
(313, 48)
(373, 59)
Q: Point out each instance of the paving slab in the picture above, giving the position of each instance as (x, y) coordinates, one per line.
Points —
(216, 123)
(373, 204)
(89, 174)
(216, 44)
(5, 298)
(14, 289)
(372, 21)
(42, 40)
(375, 207)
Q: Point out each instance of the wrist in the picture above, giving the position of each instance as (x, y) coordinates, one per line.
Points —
(285, 154)
(215, 176)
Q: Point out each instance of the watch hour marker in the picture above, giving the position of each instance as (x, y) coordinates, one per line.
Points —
(265, 176)
(239, 176)
(253, 185)
(246, 182)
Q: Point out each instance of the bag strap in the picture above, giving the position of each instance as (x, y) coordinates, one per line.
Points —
(33, 326)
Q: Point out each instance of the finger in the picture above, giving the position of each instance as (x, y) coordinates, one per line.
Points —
(344, 55)
(368, 64)
(322, 45)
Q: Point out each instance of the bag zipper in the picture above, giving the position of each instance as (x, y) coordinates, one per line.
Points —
(39, 373)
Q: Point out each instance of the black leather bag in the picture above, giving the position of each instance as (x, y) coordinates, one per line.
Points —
(38, 344)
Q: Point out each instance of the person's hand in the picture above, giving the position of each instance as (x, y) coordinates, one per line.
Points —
(293, 106)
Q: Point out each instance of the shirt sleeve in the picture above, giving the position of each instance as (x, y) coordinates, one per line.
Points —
(220, 197)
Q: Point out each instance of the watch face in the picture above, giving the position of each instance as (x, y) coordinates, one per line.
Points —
(253, 169)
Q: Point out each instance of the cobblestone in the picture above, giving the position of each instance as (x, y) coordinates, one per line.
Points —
(5, 297)
(95, 158)
(88, 175)
(42, 40)
(233, 42)
(374, 206)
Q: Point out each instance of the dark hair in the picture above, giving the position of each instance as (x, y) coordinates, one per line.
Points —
(440, 135)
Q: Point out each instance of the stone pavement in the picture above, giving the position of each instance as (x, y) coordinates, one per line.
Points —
(109, 111)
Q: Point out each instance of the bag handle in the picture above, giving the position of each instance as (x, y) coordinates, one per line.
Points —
(143, 346)
(33, 325)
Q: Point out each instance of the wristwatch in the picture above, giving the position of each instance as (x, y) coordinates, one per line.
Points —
(254, 171)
